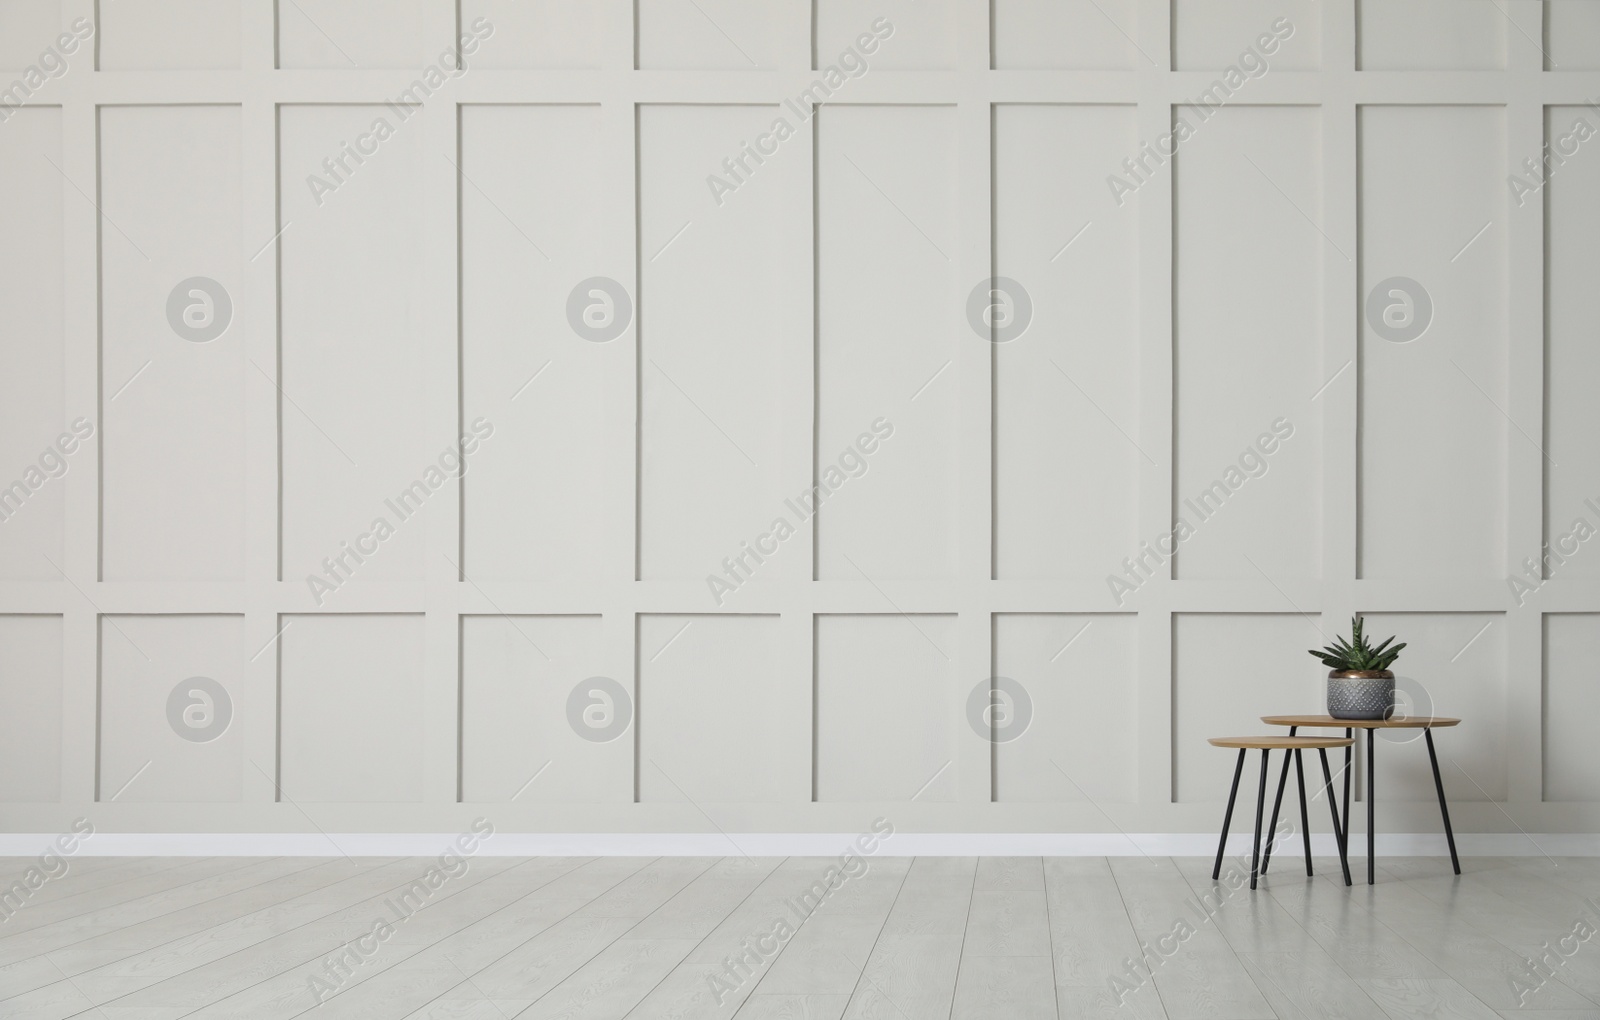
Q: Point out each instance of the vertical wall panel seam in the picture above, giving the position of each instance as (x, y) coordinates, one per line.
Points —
(974, 263)
(258, 312)
(80, 544)
(1525, 464)
(1340, 410)
(440, 364)
(1157, 420)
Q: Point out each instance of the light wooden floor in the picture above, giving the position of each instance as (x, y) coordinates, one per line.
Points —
(1010, 937)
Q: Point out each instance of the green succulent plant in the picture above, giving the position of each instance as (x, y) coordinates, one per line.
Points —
(1357, 654)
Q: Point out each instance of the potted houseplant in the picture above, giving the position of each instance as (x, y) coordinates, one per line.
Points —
(1360, 685)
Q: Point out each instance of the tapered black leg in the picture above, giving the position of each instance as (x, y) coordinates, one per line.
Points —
(1272, 829)
(1305, 818)
(1438, 784)
(1333, 808)
(1227, 817)
(1261, 804)
(1349, 770)
(1372, 841)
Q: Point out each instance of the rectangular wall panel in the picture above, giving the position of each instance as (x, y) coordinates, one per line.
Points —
(1070, 668)
(711, 346)
(352, 381)
(1434, 341)
(1072, 34)
(726, 35)
(914, 35)
(30, 698)
(173, 482)
(175, 715)
(534, 33)
(1431, 35)
(1214, 694)
(34, 459)
(1571, 35)
(1066, 390)
(1571, 703)
(888, 313)
(333, 34)
(1572, 359)
(27, 28)
(715, 722)
(1254, 36)
(518, 739)
(886, 712)
(1454, 664)
(530, 202)
(350, 708)
(169, 35)
(1248, 361)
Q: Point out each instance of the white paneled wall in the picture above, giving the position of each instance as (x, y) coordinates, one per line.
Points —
(885, 686)
(1209, 35)
(30, 655)
(1572, 417)
(329, 34)
(1571, 697)
(1213, 696)
(1435, 403)
(351, 336)
(32, 349)
(173, 442)
(888, 330)
(709, 479)
(752, 747)
(139, 658)
(169, 35)
(1048, 437)
(351, 711)
(1053, 654)
(1248, 324)
(274, 271)
(1433, 35)
(522, 368)
(516, 675)
(1093, 35)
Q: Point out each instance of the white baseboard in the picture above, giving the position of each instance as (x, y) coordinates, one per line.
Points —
(769, 844)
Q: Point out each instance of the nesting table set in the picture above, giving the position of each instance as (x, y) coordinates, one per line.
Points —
(1292, 747)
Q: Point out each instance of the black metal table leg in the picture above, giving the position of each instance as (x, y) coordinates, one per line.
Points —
(1305, 818)
(1272, 829)
(1349, 770)
(1438, 784)
(1261, 804)
(1333, 808)
(1372, 867)
(1227, 817)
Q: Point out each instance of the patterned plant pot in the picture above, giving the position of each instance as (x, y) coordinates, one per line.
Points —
(1361, 694)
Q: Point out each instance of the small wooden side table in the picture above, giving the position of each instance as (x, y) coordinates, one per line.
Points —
(1425, 723)
(1291, 746)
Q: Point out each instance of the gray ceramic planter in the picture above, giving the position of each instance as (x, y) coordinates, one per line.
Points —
(1361, 694)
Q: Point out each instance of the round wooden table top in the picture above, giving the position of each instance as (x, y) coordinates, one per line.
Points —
(1414, 722)
(1274, 743)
